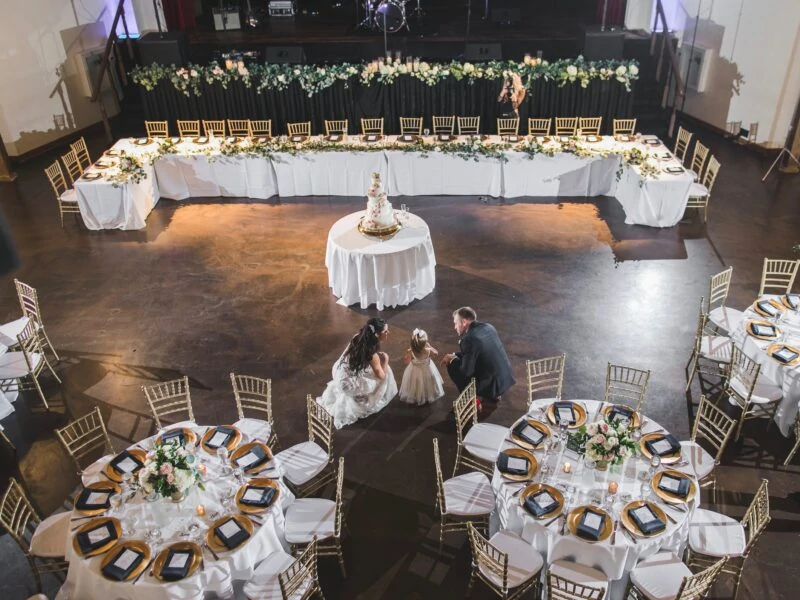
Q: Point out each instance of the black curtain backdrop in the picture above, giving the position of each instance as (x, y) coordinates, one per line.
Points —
(407, 97)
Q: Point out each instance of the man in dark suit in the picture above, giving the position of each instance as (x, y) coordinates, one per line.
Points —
(481, 356)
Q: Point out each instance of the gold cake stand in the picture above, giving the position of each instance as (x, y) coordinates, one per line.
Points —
(383, 234)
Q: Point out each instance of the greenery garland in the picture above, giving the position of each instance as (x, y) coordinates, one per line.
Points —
(315, 78)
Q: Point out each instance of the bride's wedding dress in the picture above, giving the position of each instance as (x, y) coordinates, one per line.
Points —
(350, 397)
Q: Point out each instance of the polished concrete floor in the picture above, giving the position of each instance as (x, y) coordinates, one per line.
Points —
(212, 286)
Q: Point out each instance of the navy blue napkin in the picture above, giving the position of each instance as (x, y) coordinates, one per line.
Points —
(652, 523)
(585, 531)
(767, 308)
(785, 355)
(502, 465)
(235, 540)
(763, 329)
(683, 485)
(793, 300)
(257, 451)
(173, 436)
(117, 573)
(674, 445)
(85, 544)
(564, 405)
(267, 494)
(618, 412)
(82, 503)
(529, 433)
(536, 509)
(221, 428)
(176, 573)
(121, 457)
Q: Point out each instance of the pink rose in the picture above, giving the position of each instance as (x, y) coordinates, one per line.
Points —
(166, 469)
(170, 478)
(604, 427)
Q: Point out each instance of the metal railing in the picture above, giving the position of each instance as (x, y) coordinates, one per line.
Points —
(674, 66)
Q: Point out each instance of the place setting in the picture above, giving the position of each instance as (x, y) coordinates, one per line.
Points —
(763, 330)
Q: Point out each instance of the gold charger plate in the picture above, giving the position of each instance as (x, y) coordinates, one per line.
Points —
(787, 304)
(100, 164)
(261, 139)
(536, 425)
(580, 414)
(636, 419)
(593, 139)
(335, 138)
(189, 436)
(773, 348)
(777, 305)
(752, 332)
(542, 139)
(143, 141)
(91, 176)
(624, 138)
(672, 498)
(233, 441)
(91, 525)
(136, 545)
(404, 140)
(115, 475)
(200, 140)
(574, 517)
(629, 524)
(377, 137)
(666, 459)
(386, 231)
(216, 544)
(535, 488)
(298, 139)
(244, 449)
(444, 137)
(533, 464)
(97, 486)
(257, 482)
(161, 559)
(112, 152)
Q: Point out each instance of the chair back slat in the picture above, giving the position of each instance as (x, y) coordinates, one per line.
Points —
(626, 385)
(714, 426)
(469, 125)
(757, 517)
(372, 126)
(489, 560)
(240, 127)
(718, 287)
(253, 394)
(466, 410)
(28, 300)
(509, 126)
(624, 126)
(566, 125)
(444, 125)
(590, 125)
(539, 126)
(74, 169)
(337, 532)
(56, 177)
(744, 372)
(215, 127)
(320, 425)
(300, 579)
(188, 129)
(169, 398)
(303, 128)
(410, 125)
(336, 126)
(682, 143)
(699, 584)
(261, 127)
(82, 152)
(156, 129)
(82, 437)
(17, 515)
(699, 158)
(711, 173)
(545, 374)
(561, 588)
(437, 461)
(778, 275)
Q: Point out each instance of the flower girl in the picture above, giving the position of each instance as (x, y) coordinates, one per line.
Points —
(422, 383)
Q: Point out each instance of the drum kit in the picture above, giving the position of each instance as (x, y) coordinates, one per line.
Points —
(388, 16)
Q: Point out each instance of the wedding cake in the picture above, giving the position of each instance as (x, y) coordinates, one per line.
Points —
(379, 216)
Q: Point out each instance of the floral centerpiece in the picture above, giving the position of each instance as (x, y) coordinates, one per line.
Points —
(608, 442)
(169, 471)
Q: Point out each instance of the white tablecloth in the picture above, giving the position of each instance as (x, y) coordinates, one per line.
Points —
(787, 377)
(441, 174)
(617, 560)
(104, 206)
(84, 579)
(365, 270)
(327, 173)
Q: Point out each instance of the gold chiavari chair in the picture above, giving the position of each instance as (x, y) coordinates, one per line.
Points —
(711, 352)
(262, 128)
(254, 395)
(336, 126)
(754, 393)
(444, 125)
(714, 428)
(566, 125)
(303, 129)
(796, 446)
(508, 126)
(214, 128)
(82, 152)
(666, 577)
(170, 398)
(320, 519)
(240, 127)
(20, 370)
(410, 125)
(626, 385)
(469, 125)
(83, 437)
(778, 276)
(66, 197)
(478, 449)
(6, 439)
(44, 542)
(699, 195)
(590, 125)
(561, 587)
(74, 168)
(281, 574)
(713, 535)
(461, 500)
(372, 126)
(546, 374)
(156, 129)
(723, 317)
(306, 464)
(506, 563)
(624, 126)
(189, 129)
(698, 160)
(539, 126)
(682, 143)
(29, 303)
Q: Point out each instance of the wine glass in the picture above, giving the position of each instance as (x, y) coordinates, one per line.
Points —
(238, 474)
(655, 462)
(426, 132)
(114, 502)
(222, 454)
(563, 425)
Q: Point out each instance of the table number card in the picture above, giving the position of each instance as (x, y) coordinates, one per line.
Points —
(297, 138)
(575, 446)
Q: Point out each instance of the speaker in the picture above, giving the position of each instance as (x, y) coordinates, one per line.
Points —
(483, 52)
(602, 45)
(285, 54)
(170, 48)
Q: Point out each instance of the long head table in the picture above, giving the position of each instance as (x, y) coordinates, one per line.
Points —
(651, 196)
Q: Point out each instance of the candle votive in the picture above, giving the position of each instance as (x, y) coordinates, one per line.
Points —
(200, 510)
(228, 64)
(567, 467)
(613, 486)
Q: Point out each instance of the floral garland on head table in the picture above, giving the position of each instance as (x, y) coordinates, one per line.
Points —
(315, 78)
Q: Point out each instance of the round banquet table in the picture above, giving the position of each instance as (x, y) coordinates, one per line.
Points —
(216, 577)
(392, 272)
(787, 377)
(616, 560)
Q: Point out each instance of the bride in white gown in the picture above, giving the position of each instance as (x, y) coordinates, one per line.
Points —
(363, 382)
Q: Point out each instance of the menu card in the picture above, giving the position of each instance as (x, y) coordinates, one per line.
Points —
(334, 137)
(564, 410)
(371, 138)
(231, 533)
(513, 465)
(444, 137)
(254, 457)
(529, 433)
(677, 486)
(646, 520)
(258, 496)
(297, 138)
(220, 437)
(123, 564)
(591, 524)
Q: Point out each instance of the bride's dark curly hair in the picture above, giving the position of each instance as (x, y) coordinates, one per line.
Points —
(364, 345)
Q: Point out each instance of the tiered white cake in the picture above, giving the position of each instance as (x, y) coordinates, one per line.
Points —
(380, 215)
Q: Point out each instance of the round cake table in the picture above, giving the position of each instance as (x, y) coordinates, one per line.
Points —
(390, 272)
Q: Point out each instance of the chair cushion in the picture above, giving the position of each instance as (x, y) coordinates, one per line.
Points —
(523, 561)
(483, 440)
(716, 347)
(659, 577)
(50, 538)
(715, 534)
(264, 583)
(255, 429)
(302, 462)
(69, 196)
(764, 392)
(580, 573)
(701, 463)
(469, 494)
(726, 318)
(309, 517)
(10, 331)
(697, 190)
(14, 366)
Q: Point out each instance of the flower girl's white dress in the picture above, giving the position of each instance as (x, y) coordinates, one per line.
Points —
(422, 383)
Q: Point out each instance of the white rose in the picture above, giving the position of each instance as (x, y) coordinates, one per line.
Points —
(468, 68)
(282, 78)
(296, 71)
(621, 70)
(633, 70)
(572, 70)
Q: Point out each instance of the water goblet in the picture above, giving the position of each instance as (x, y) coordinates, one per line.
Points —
(222, 454)
(426, 132)
(563, 426)
(655, 462)
(114, 502)
(238, 474)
